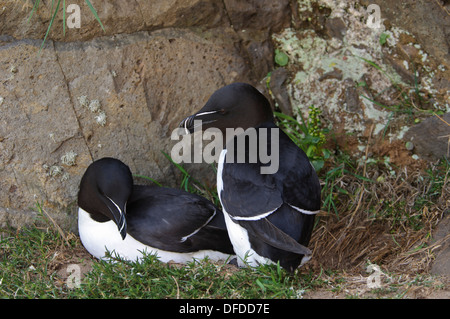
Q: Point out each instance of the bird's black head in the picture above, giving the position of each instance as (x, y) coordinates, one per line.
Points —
(232, 106)
(104, 190)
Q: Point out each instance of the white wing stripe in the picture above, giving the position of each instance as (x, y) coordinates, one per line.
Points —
(183, 239)
(304, 211)
(257, 217)
(261, 216)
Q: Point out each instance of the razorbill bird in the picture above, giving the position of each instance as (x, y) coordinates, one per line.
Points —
(269, 217)
(127, 219)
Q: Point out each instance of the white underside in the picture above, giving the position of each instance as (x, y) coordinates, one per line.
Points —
(98, 238)
(246, 256)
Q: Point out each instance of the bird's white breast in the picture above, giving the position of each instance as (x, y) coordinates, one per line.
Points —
(238, 234)
(98, 237)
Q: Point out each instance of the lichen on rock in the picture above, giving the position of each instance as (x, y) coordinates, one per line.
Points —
(358, 75)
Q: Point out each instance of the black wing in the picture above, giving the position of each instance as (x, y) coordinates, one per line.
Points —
(260, 202)
(174, 220)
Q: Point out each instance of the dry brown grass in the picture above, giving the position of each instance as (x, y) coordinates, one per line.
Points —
(389, 222)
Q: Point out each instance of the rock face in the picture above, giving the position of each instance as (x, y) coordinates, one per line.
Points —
(441, 265)
(431, 138)
(429, 21)
(117, 17)
(117, 93)
(118, 97)
(371, 82)
(120, 92)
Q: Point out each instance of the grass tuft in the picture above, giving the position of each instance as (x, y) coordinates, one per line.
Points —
(55, 12)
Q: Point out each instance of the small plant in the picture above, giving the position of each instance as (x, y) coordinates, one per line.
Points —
(281, 58)
(383, 38)
(308, 135)
(192, 185)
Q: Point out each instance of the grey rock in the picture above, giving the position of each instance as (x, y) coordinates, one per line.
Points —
(431, 137)
(259, 14)
(278, 86)
(441, 265)
(427, 20)
(335, 28)
(116, 16)
(145, 84)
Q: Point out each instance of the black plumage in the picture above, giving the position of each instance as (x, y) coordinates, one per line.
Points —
(276, 210)
(247, 193)
(165, 219)
(174, 220)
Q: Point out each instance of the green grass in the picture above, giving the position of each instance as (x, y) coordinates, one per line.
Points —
(29, 263)
(33, 258)
(25, 259)
(30, 260)
(202, 279)
(55, 12)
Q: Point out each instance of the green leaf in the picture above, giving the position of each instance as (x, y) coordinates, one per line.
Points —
(259, 283)
(309, 139)
(281, 58)
(383, 38)
(317, 164)
(361, 84)
(326, 153)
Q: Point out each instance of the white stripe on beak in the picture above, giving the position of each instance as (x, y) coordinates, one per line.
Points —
(121, 223)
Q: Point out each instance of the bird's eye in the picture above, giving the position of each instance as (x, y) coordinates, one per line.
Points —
(222, 111)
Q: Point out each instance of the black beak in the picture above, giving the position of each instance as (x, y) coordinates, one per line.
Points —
(118, 215)
(122, 225)
(191, 123)
(188, 124)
